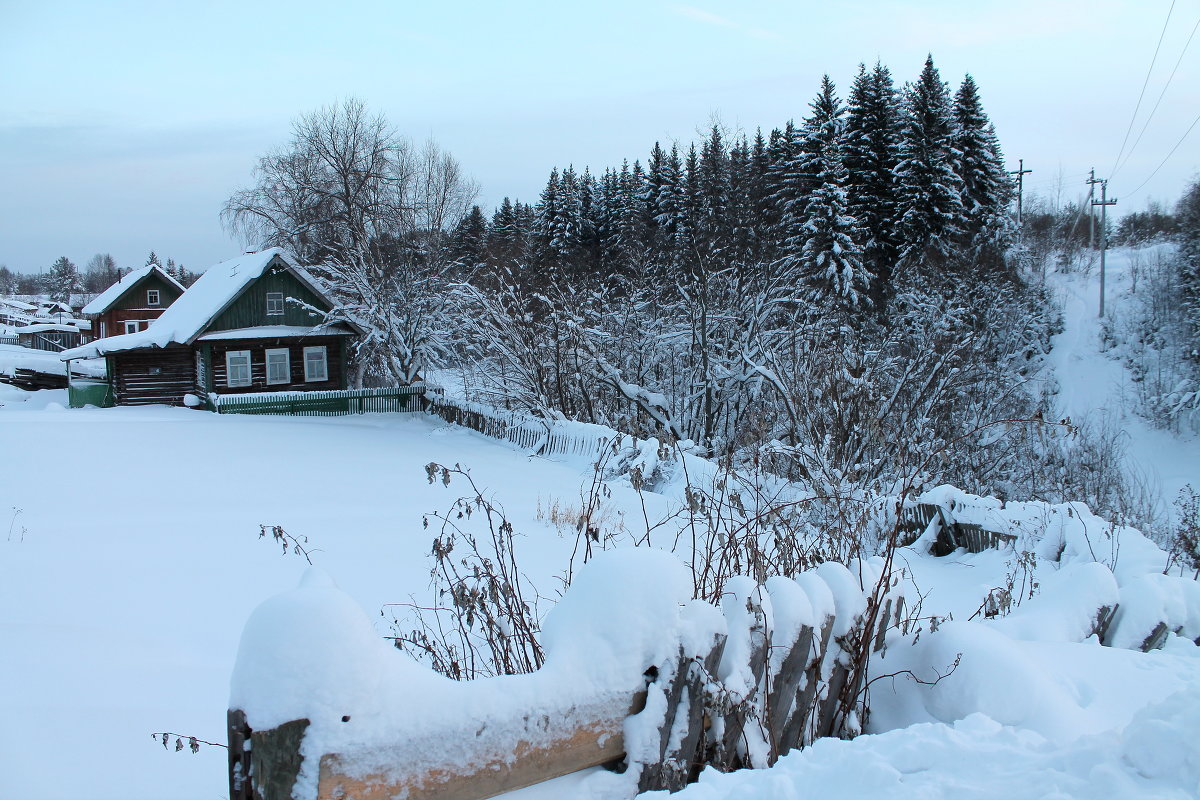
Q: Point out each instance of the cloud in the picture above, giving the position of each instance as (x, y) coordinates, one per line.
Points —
(709, 18)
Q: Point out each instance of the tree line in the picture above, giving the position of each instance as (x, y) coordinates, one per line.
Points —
(64, 278)
(835, 301)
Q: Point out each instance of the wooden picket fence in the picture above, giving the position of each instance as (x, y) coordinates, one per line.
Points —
(329, 403)
(801, 683)
(528, 433)
(951, 534)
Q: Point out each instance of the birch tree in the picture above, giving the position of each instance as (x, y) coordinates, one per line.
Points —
(370, 214)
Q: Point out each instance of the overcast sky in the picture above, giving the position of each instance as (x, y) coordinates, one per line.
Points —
(125, 125)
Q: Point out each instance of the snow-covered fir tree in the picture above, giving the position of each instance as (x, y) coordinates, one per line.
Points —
(830, 261)
(986, 184)
(62, 280)
(871, 154)
(932, 216)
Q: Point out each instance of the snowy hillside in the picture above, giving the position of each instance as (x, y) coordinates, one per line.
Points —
(1094, 384)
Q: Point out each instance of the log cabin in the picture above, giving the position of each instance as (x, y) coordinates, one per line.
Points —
(255, 323)
(132, 303)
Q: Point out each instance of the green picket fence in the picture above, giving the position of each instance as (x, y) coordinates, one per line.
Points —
(332, 403)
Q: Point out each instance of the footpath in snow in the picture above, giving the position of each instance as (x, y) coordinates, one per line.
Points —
(1095, 385)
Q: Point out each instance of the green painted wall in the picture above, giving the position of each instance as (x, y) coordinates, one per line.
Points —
(135, 298)
(250, 309)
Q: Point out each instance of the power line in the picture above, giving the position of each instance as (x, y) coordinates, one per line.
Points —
(1178, 61)
(1145, 83)
(1168, 156)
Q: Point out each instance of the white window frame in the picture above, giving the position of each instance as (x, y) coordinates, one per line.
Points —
(287, 365)
(240, 382)
(103, 329)
(272, 299)
(310, 375)
(132, 326)
(153, 298)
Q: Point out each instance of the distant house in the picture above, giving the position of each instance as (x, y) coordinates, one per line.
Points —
(49, 336)
(255, 323)
(132, 303)
(16, 312)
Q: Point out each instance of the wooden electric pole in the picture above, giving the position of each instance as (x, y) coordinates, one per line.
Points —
(1104, 203)
(1020, 172)
(1091, 182)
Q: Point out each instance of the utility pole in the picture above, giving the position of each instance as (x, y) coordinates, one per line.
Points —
(1091, 182)
(1104, 204)
(1020, 172)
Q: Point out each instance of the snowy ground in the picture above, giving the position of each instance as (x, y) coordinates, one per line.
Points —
(130, 560)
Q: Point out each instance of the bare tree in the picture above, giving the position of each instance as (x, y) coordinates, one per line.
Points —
(354, 199)
(100, 273)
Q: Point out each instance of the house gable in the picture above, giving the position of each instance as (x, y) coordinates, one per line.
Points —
(135, 297)
(129, 293)
(249, 308)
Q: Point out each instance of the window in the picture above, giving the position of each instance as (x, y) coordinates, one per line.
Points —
(152, 297)
(279, 366)
(103, 330)
(131, 326)
(315, 368)
(274, 304)
(237, 368)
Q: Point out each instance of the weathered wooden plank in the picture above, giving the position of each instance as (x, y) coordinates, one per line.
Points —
(238, 733)
(784, 688)
(795, 732)
(590, 736)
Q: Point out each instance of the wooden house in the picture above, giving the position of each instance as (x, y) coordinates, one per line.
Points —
(256, 323)
(132, 303)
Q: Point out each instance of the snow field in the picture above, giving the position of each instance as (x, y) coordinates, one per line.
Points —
(134, 562)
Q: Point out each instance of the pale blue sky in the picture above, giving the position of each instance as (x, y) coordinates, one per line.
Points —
(125, 125)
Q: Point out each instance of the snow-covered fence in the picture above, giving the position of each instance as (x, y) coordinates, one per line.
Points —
(328, 403)
(948, 534)
(8, 339)
(540, 436)
(636, 673)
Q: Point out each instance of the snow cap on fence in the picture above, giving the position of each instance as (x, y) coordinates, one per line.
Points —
(1152, 600)
(312, 653)
(620, 615)
(1066, 607)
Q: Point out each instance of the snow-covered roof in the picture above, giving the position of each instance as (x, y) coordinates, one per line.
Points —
(103, 301)
(47, 327)
(186, 319)
(274, 332)
(20, 305)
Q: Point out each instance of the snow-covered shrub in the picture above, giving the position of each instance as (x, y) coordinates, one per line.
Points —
(485, 620)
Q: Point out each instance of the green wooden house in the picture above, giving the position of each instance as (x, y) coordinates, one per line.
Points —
(256, 323)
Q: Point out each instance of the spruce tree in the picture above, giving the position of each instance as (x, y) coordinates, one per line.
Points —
(62, 280)
(929, 187)
(469, 239)
(986, 185)
(788, 188)
(828, 252)
(871, 154)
